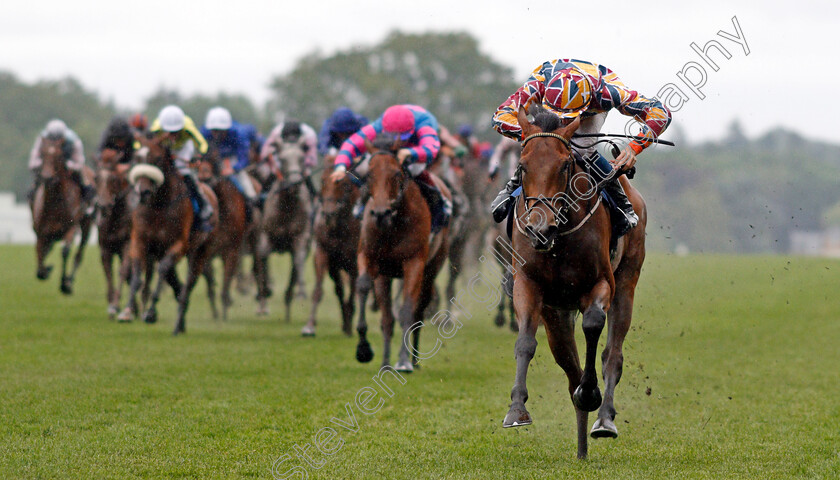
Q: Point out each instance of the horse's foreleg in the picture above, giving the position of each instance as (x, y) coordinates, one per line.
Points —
(587, 396)
(290, 290)
(42, 249)
(84, 231)
(231, 266)
(612, 359)
(107, 257)
(364, 283)
(349, 306)
(261, 254)
(66, 281)
(196, 263)
(136, 271)
(560, 331)
(338, 285)
(382, 287)
(320, 268)
(528, 304)
(166, 264)
(411, 311)
(300, 251)
(211, 288)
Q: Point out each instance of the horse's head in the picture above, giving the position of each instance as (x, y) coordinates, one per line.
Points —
(547, 167)
(291, 154)
(148, 175)
(208, 167)
(386, 179)
(52, 155)
(337, 198)
(111, 179)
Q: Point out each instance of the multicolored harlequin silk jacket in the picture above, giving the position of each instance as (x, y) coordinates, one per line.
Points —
(605, 92)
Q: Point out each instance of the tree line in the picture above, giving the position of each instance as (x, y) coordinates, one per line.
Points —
(730, 195)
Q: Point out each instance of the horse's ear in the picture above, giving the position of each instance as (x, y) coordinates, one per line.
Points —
(570, 129)
(524, 124)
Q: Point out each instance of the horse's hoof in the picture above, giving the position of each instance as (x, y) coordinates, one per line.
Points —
(588, 401)
(404, 367)
(347, 330)
(112, 312)
(308, 331)
(150, 316)
(66, 287)
(500, 320)
(517, 417)
(603, 428)
(125, 316)
(44, 273)
(364, 353)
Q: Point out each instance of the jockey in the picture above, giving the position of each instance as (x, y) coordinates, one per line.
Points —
(571, 88)
(233, 144)
(291, 131)
(337, 129)
(74, 157)
(120, 137)
(467, 138)
(185, 137)
(417, 129)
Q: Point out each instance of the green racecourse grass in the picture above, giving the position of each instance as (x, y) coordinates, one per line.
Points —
(731, 371)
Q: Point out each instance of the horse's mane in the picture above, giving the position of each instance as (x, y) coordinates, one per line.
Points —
(545, 120)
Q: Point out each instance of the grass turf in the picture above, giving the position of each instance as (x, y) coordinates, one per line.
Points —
(731, 371)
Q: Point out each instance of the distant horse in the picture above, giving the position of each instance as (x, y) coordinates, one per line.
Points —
(114, 225)
(336, 242)
(228, 241)
(459, 225)
(58, 212)
(162, 230)
(286, 226)
(562, 240)
(395, 243)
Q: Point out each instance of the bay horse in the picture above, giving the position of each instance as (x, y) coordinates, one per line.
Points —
(396, 242)
(228, 241)
(562, 241)
(162, 230)
(58, 212)
(336, 241)
(114, 224)
(285, 226)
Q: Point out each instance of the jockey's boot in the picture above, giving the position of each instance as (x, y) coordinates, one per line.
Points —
(625, 218)
(205, 210)
(88, 192)
(501, 205)
(439, 206)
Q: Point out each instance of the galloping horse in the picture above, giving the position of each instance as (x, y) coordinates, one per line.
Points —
(336, 241)
(228, 241)
(286, 225)
(162, 230)
(114, 225)
(395, 243)
(562, 241)
(58, 212)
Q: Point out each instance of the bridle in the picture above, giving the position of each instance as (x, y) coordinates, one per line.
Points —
(558, 213)
(404, 175)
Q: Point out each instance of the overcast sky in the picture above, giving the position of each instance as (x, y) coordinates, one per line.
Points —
(126, 50)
